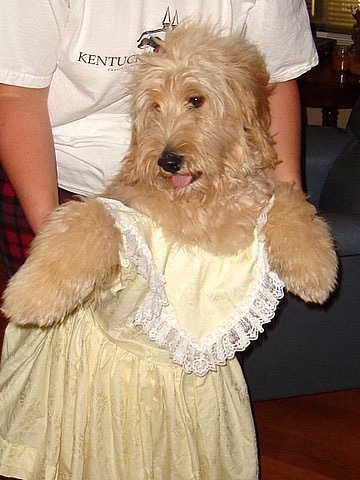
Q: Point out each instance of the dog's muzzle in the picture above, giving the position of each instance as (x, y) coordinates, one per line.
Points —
(171, 162)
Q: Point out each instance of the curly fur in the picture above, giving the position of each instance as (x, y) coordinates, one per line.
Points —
(204, 99)
(225, 142)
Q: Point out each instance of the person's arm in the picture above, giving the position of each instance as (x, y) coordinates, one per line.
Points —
(27, 150)
(286, 130)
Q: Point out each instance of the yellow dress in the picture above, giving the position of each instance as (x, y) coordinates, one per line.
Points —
(147, 386)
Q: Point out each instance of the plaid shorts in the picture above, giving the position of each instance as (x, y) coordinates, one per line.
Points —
(15, 232)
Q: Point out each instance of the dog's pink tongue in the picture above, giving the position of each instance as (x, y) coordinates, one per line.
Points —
(181, 181)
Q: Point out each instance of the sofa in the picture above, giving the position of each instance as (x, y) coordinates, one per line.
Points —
(310, 349)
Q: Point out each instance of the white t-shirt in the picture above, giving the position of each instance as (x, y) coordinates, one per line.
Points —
(84, 50)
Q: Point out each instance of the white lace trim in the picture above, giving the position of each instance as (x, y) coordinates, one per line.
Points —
(235, 335)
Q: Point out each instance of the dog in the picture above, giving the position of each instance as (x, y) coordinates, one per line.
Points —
(188, 250)
(197, 167)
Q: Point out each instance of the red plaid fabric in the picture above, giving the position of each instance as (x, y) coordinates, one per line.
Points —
(15, 232)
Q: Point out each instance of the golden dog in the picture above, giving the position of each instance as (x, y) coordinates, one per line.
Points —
(197, 166)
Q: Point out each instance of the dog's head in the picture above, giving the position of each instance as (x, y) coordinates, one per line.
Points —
(200, 114)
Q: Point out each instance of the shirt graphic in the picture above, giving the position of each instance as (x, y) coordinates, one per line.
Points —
(148, 38)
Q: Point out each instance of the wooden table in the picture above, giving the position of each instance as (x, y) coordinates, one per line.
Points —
(324, 88)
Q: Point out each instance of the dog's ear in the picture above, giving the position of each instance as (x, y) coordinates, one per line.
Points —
(248, 79)
(255, 121)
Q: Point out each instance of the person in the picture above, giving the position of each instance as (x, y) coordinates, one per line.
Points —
(65, 122)
(64, 119)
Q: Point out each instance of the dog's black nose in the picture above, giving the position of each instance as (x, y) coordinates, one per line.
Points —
(170, 162)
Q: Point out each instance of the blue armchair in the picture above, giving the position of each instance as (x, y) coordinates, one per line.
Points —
(310, 349)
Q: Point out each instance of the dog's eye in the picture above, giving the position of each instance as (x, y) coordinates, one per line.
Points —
(156, 107)
(196, 101)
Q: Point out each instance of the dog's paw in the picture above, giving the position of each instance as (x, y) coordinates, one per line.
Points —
(41, 298)
(312, 273)
(300, 246)
(75, 255)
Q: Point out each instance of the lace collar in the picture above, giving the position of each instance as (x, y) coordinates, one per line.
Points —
(216, 349)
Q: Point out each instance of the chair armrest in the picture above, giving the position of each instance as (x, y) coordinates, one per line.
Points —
(341, 190)
(322, 148)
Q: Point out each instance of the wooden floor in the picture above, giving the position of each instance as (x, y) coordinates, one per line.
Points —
(315, 437)
(310, 438)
